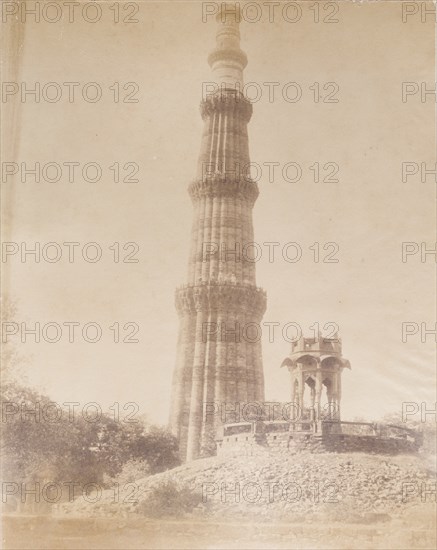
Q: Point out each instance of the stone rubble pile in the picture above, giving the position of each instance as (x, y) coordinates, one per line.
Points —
(281, 486)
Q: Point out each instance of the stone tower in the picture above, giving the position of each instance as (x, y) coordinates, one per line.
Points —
(219, 360)
(315, 366)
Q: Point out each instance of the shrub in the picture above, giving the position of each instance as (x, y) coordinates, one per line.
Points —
(170, 499)
(132, 470)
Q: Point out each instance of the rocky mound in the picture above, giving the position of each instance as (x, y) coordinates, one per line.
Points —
(275, 487)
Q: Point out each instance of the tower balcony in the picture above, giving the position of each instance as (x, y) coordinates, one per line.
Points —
(227, 100)
(224, 296)
(222, 184)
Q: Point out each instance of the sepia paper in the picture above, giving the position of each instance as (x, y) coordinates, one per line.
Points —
(218, 274)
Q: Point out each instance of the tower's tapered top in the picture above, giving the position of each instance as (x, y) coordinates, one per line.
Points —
(227, 60)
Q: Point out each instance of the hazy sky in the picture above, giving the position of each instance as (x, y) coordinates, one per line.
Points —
(368, 133)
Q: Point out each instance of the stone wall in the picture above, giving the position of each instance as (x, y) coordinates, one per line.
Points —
(326, 440)
(368, 444)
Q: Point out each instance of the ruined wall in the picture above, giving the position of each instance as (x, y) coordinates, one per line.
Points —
(247, 444)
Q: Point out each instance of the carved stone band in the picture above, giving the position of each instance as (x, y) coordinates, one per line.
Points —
(222, 297)
(222, 185)
(226, 101)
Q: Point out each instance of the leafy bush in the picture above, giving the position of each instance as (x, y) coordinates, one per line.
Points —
(132, 470)
(171, 499)
(44, 450)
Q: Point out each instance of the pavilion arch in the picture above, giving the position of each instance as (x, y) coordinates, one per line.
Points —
(308, 360)
(315, 365)
(330, 362)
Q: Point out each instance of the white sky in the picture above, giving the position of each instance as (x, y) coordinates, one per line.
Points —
(369, 213)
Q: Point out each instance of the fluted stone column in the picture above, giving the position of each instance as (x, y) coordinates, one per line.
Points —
(216, 363)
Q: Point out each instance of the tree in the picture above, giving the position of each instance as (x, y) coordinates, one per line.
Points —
(42, 444)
